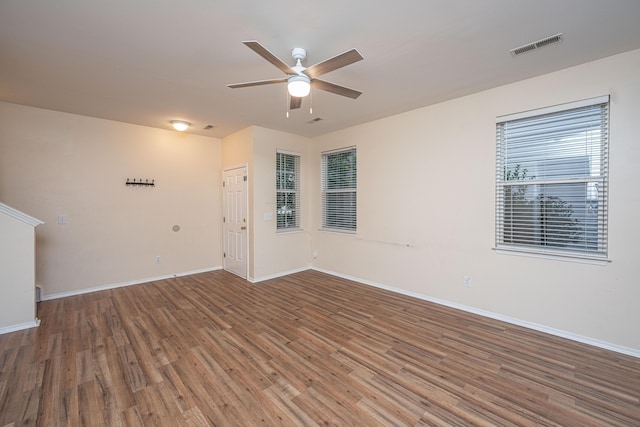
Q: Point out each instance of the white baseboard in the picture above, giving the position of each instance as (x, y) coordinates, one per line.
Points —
(19, 327)
(122, 284)
(275, 276)
(534, 326)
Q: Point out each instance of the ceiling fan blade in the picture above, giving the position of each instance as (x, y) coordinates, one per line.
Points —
(334, 88)
(262, 51)
(257, 83)
(338, 61)
(295, 102)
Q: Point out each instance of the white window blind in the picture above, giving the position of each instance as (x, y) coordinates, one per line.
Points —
(287, 191)
(551, 180)
(339, 190)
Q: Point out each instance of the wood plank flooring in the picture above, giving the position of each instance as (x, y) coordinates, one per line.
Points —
(306, 349)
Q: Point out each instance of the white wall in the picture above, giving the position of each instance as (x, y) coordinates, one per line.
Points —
(426, 194)
(17, 273)
(54, 163)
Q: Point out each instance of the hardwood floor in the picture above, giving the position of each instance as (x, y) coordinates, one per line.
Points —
(306, 349)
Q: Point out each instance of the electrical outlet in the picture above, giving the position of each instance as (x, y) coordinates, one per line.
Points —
(466, 282)
(158, 259)
(315, 253)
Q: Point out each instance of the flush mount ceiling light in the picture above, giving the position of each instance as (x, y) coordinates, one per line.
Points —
(299, 86)
(180, 125)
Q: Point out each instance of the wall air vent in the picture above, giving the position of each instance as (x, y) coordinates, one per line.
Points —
(536, 45)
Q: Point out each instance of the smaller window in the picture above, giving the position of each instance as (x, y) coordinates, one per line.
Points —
(287, 191)
(339, 190)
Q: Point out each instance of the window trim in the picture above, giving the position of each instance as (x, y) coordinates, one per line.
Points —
(554, 109)
(601, 258)
(324, 192)
(298, 178)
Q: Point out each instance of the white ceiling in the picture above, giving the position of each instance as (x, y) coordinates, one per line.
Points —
(150, 61)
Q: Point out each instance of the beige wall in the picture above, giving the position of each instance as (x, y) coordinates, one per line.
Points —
(17, 277)
(270, 253)
(426, 196)
(426, 192)
(274, 252)
(54, 163)
(237, 151)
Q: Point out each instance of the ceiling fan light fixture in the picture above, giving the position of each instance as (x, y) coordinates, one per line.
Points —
(299, 86)
(180, 125)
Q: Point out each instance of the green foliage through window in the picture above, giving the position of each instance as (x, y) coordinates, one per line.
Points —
(551, 193)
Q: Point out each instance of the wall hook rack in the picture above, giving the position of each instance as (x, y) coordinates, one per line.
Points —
(141, 183)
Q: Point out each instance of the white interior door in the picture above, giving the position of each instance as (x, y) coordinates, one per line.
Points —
(235, 221)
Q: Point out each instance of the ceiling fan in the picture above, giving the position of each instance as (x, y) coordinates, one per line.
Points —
(300, 79)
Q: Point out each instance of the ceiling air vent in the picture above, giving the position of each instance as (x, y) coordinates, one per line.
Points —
(207, 127)
(536, 45)
(315, 120)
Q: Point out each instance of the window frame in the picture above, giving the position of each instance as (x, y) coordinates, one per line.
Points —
(544, 185)
(295, 192)
(332, 219)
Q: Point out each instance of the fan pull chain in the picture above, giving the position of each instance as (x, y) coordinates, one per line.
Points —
(310, 102)
(288, 101)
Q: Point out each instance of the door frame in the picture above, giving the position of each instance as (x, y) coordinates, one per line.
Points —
(244, 166)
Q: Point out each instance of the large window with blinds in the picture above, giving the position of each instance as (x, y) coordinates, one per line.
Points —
(339, 190)
(551, 180)
(287, 191)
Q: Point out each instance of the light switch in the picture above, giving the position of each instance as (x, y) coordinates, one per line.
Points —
(62, 219)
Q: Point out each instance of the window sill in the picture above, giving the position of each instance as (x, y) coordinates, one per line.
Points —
(337, 230)
(289, 230)
(557, 256)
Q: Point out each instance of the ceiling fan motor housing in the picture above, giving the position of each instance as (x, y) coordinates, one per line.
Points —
(298, 53)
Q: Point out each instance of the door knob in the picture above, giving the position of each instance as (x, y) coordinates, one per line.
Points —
(243, 228)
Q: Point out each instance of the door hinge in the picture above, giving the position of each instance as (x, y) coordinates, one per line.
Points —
(224, 255)
(224, 183)
(224, 219)
(245, 177)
